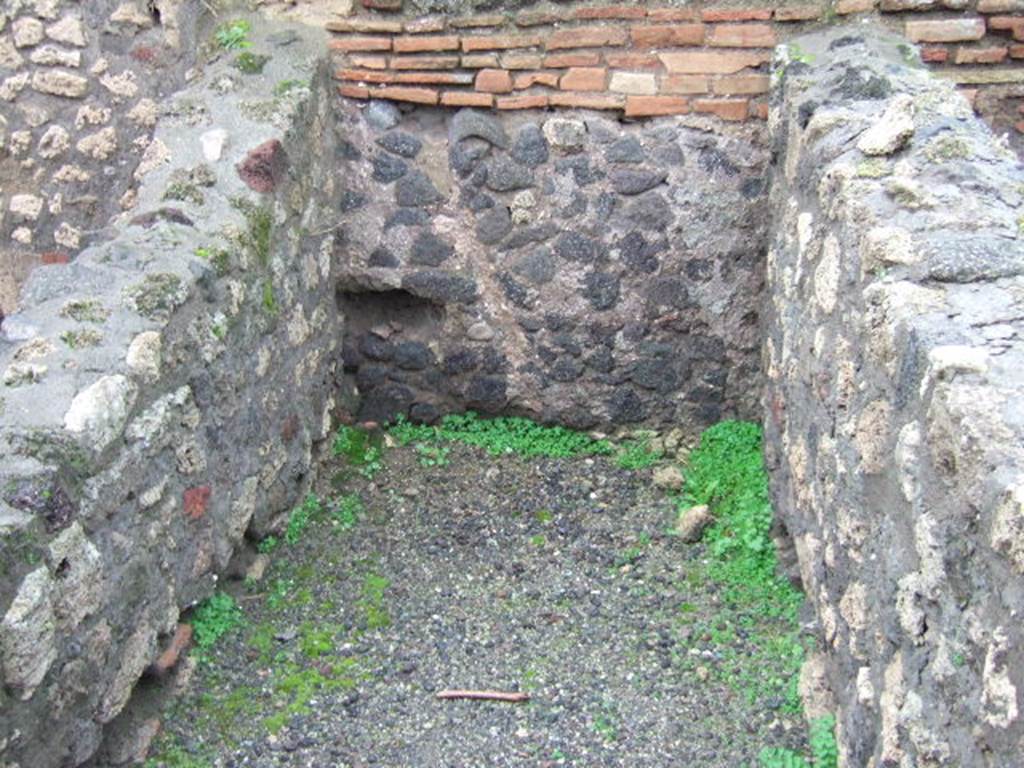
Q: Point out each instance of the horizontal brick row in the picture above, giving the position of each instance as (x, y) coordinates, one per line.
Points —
(641, 60)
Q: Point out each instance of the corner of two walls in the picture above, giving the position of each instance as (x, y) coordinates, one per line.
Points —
(893, 353)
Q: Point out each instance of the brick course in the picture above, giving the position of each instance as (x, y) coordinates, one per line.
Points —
(642, 60)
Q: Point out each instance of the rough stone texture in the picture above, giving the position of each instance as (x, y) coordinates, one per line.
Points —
(568, 236)
(893, 350)
(148, 387)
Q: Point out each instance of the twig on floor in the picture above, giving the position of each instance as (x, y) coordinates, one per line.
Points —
(513, 697)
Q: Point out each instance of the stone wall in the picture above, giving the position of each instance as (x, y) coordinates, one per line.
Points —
(567, 267)
(894, 347)
(162, 394)
(80, 85)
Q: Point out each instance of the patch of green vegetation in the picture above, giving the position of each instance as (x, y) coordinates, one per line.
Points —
(637, 454)
(824, 751)
(185, 192)
(873, 168)
(543, 516)
(285, 87)
(173, 755)
(606, 722)
(84, 338)
(315, 642)
(947, 146)
(632, 554)
(298, 685)
(261, 225)
(432, 455)
(233, 35)
(268, 300)
(267, 545)
(249, 63)
(505, 435)
(360, 449)
(371, 603)
(213, 618)
(301, 517)
(346, 511)
(156, 295)
(219, 258)
(85, 311)
(538, 540)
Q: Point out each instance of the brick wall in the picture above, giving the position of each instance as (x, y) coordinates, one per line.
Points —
(644, 61)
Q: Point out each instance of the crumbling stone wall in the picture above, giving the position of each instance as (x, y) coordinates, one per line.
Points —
(893, 348)
(161, 395)
(582, 270)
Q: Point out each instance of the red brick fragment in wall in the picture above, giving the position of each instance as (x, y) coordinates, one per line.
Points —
(369, 62)
(934, 54)
(499, 42)
(742, 84)
(405, 78)
(579, 100)
(649, 106)
(493, 81)
(727, 109)
(523, 80)
(54, 257)
(426, 43)
(374, 26)
(945, 30)
(354, 91)
(539, 18)
(612, 12)
(167, 660)
(993, 55)
(797, 12)
(998, 6)
(742, 36)
(632, 60)
(425, 24)
(480, 60)
(736, 14)
(846, 7)
(530, 101)
(1017, 51)
(593, 37)
(711, 62)
(521, 61)
(400, 93)
(356, 43)
(760, 111)
(196, 501)
(584, 79)
(672, 14)
(562, 60)
(480, 20)
(264, 166)
(648, 36)
(466, 99)
(424, 62)
(684, 84)
(391, 6)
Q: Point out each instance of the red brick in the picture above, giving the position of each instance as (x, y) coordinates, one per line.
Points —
(363, 75)
(727, 109)
(358, 43)
(521, 61)
(354, 91)
(742, 36)
(482, 20)
(846, 7)
(797, 12)
(539, 18)
(424, 62)
(167, 660)
(999, 6)
(480, 60)
(391, 6)
(466, 99)
(426, 43)
(401, 93)
(684, 84)
(672, 14)
(673, 34)
(584, 79)
(1019, 126)
(611, 12)
(523, 80)
(493, 81)
(532, 101)
(737, 14)
(562, 60)
(1005, 23)
(760, 110)
(587, 37)
(934, 54)
(364, 25)
(499, 42)
(711, 62)
(992, 55)
(585, 100)
(741, 84)
(945, 30)
(1017, 51)
(425, 24)
(369, 62)
(649, 106)
(408, 78)
(632, 60)
(54, 257)
(196, 501)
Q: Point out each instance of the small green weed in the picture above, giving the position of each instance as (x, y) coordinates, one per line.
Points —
(360, 449)
(249, 63)
(432, 455)
(346, 511)
(233, 35)
(371, 604)
(285, 87)
(539, 540)
(301, 517)
(214, 618)
(267, 545)
(85, 311)
(637, 454)
(269, 302)
(505, 435)
(824, 752)
(175, 756)
(86, 337)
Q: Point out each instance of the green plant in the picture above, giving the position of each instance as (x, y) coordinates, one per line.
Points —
(504, 435)
(780, 757)
(267, 545)
(249, 63)
(285, 87)
(83, 338)
(637, 454)
(371, 603)
(213, 618)
(85, 311)
(269, 302)
(432, 455)
(233, 35)
(347, 510)
(301, 517)
(360, 449)
(824, 750)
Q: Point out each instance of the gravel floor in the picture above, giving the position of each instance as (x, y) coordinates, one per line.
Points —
(559, 578)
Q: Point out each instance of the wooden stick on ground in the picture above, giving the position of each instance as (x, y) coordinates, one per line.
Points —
(515, 698)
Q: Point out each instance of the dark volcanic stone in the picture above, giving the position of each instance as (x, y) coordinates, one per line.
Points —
(658, 374)
(579, 167)
(478, 201)
(630, 182)
(464, 156)
(382, 115)
(712, 160)
(430, 250)
(625, 150)
(575, 247)
(538, 233)
(638, 254)
(493, 361)
(566, 369)
(513, 290)
(649, 211)
(530, 148)
(382, 257)
(479, 176)
(413, 355)
(375, 348)
(625, 406)
(424, 413)
(601, 360)
(415, 189)
(668, 292)
(401, 143)
(387, 168)
(855, 84)
(461, 361)
(493, 225)
(351, 201)
(444, 287)
(537, 267)
(602, 290)
(699, 270)
(486, 393)
(471, 122)
(506, 175)
(370, 376)
(382, 404)
(604, 205)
